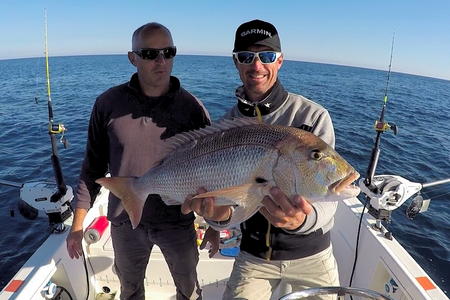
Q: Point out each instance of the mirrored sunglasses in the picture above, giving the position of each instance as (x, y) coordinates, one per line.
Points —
(152, 53)
(265, 57)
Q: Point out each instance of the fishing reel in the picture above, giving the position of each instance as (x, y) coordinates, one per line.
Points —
(58, 129)
(40, 197)
(418, 205)
(389, 192)
(385, 126)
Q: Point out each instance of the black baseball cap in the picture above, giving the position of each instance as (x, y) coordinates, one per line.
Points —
(256, 32)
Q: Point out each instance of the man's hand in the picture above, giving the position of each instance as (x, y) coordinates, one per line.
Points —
(75, 237)
(74, 246)
(205, 207)
(213, 238)
(283, 212)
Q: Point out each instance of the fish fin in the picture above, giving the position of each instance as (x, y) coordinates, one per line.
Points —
(169, 201)
(185, 138)
(238, 194)
(241, 214)
(123, 188)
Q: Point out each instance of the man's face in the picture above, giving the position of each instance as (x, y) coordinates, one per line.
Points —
(258, 78)
(156, 72)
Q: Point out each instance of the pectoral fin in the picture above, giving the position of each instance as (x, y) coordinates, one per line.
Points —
(169, 201)
(241, 214)
(238, 195)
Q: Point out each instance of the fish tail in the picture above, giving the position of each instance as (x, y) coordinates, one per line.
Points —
(132, 200)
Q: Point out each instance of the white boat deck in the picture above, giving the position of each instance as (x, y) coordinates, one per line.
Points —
(212, 272)
(383, 265)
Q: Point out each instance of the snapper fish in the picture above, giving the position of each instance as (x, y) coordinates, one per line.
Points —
(238, 161)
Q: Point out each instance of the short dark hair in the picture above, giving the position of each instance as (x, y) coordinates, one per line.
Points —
(146, 29)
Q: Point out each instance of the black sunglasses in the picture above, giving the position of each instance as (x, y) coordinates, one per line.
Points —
(152, 53)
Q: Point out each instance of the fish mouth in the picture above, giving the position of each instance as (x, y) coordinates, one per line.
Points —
(345, 185)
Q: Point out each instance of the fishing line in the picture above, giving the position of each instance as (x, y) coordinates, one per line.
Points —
(437, 196)
(36, 96)
(86, 271)
(61, 290)
(357, 242)
(441, 188)
(389, 72)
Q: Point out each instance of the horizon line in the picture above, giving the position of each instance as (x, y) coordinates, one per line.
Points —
(223, 55)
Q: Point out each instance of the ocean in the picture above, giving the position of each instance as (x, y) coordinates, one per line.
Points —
(420, 152)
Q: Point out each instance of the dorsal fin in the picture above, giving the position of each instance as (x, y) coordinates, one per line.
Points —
(184, 138)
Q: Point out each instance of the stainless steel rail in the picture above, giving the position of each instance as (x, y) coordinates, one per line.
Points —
(335, 290)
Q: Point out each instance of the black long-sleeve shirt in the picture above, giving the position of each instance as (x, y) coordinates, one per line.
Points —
(126, 138)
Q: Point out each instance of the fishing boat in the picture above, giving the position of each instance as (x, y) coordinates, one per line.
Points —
(384, 267)
(372, 263)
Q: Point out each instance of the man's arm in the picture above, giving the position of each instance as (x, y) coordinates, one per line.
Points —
(323, 128)
(297, 215)
(94, 166)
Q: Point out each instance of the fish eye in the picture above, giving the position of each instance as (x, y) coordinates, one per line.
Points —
(316, 154)
(260, 180)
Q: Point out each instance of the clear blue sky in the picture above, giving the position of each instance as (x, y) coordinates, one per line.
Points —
(355, 33)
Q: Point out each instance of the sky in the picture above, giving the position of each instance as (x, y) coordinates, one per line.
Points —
(355, 33)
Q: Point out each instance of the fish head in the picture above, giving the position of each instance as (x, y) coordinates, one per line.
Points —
(319, 171)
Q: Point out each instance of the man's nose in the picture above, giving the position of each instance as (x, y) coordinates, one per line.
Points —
(160, 59)
(257, 64)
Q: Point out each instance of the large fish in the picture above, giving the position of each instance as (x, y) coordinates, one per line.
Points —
(237, 162)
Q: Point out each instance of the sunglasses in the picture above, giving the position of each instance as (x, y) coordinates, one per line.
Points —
(152, 53)
(247, 57)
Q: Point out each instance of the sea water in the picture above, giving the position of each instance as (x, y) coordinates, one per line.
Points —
(420, 152)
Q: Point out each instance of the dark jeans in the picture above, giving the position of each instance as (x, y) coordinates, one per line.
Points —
(132, 250)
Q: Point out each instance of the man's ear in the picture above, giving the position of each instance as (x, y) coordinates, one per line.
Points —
(235, 61)
(132, 58)
(280, 61)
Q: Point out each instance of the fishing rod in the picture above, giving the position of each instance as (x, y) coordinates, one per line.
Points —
(367, 186)
(385, 193)
(434, 183)
(53, 198)
(380, 127)
(54, 129)
(388, 192)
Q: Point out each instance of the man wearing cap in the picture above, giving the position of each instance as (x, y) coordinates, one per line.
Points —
(285, 247)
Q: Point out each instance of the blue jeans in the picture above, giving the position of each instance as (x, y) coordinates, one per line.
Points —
(132, 249)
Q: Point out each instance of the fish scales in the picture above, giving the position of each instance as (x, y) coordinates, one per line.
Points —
(237, 162)
(217, 161)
